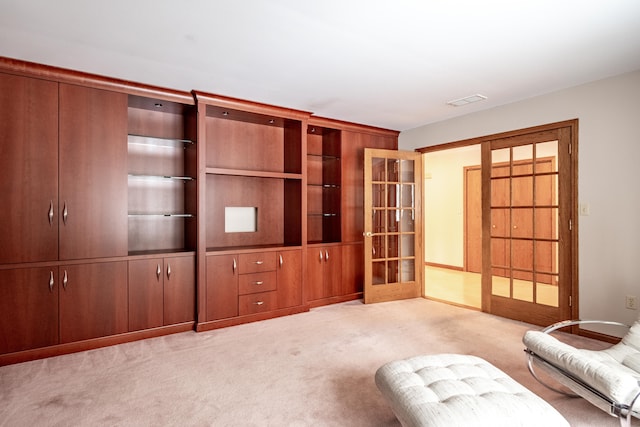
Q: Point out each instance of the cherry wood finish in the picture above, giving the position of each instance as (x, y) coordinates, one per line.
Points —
(29, 161)
(289, 277)
(324, 272)
(262, 302)
(265, 194)
(221, 287)
(28, 308)
(146, 294)
(179, 290)
(353, 269)
(93, 174)
(257, 282)
(93, 303)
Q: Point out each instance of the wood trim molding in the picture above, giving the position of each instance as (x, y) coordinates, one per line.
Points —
(64, 75)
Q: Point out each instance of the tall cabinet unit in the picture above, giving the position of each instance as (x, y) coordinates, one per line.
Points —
(90, 167)
(335, 194)
(251, 211)
(162, 227)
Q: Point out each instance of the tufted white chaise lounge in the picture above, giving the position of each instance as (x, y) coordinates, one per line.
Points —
(450, 390)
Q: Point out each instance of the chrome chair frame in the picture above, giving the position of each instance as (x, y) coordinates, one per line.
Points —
(580, 388)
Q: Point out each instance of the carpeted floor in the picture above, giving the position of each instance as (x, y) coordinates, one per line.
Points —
(309, 369)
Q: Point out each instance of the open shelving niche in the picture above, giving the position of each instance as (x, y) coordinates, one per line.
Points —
(162, 177)
(323, 184)
(254, 169)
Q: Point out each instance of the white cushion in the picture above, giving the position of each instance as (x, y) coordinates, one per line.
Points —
(460, 390)
(613, 372)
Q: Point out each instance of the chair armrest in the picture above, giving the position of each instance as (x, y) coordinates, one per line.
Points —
(567, 323)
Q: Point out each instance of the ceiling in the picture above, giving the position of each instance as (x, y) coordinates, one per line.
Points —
(392, 64)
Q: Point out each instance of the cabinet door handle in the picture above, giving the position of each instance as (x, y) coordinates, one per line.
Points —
(51, 213)
(168, 271)
(259, 302)
(235, 265)
(259, 282)
(65, 213)
(326, 256)
(51, 281)
(158, 272)
(259, 262)
(281, 261)
(321, 256)
(65, 280)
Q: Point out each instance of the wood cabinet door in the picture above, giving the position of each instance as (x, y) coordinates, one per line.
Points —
(333, 271)
(352, 268)
(29, 165)
(93, 173)
(145, 294)
(28, 308)
(179, 290)
(222, 286)
(93, 300)
(289, 278)
(315, 274)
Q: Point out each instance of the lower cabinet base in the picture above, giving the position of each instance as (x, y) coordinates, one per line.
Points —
(74, 347)
(334, 300)
(232, 321)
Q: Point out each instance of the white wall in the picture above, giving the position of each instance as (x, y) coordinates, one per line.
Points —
(609, 171)
(444, 203)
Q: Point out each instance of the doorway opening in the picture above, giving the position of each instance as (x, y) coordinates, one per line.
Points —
(499, 223)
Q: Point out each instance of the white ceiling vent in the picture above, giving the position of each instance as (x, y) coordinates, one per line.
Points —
(467, 100)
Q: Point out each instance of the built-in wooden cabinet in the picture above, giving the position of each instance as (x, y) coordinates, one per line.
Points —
(324, 272)
(92, 170)
(134, 211)
(28, 308)
(93, 300)
(29, 164)
(252, 283)
(252, 208)
(161, 291)
(335, 195)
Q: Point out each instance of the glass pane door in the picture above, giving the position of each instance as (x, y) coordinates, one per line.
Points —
(393, 255)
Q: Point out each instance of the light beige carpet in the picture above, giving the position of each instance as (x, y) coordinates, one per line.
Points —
(309, 369)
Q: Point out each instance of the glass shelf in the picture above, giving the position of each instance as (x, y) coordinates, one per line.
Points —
(173, 215)
(158, 142)
(323, 156)
(161, 177)
(335, 186)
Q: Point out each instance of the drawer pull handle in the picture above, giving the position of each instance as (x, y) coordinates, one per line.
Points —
(259, 282)
(259, 262)
(259, 302)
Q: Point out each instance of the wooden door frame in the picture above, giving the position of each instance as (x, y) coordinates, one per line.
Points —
(572, 187)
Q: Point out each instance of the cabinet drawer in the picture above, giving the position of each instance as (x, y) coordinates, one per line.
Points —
(257, 282)
(257, 303)
(256, 262)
